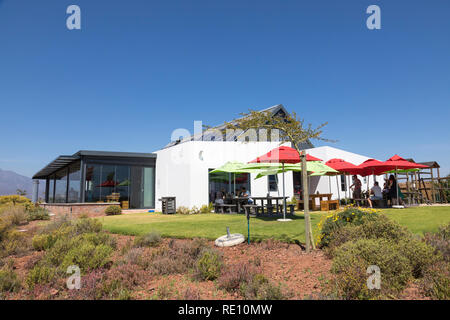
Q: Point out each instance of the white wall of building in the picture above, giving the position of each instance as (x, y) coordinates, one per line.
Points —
(182, 170)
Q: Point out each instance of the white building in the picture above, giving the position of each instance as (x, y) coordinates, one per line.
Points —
(182, 168)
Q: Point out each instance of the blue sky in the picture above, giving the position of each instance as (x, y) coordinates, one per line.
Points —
(139, 69)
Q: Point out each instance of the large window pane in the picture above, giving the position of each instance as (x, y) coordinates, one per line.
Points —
(148, 188)
(272, 181)
(108, 181)
(93, 182)
(123, 183)
(51, 188)
(74, 183)
(61, 186)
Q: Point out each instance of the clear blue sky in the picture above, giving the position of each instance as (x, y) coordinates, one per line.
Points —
(139, 69)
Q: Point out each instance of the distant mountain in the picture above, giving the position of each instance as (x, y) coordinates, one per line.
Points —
(11, 181)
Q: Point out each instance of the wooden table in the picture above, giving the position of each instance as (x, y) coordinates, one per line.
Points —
(319, 196)
(267, 199)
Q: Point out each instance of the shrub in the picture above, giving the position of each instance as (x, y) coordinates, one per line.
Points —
(440, 241)
(191, 294)
(16, 214)
(14, 243)
(121, 281)
(194, 210)
(40, 274)
(113, 210)
(38, 213)
(368, 227)
(87, 225)
(178, 257)
(436, 281)
(260, 288)
(9, 282)
(351, 262)
(87, 256)
(235, 275)
(183, 210)
(15, 200)
(209, 265)
(207, 208)
(333, 222)
(420, 255)
(151, 239)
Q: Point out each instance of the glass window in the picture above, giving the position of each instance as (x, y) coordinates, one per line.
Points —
(224, 184)
(343, 183)
(61, 186)
(74, 183)
(272, 181)
(51, 188)
(108, 181)
(93, 189)
(123, 182)
(148, 194)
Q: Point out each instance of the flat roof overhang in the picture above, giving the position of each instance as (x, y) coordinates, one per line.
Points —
(63, 161)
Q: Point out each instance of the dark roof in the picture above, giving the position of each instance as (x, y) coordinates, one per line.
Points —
(210, 136)
(63, 161)
(432, 164)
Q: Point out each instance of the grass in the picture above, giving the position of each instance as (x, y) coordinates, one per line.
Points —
(212, 226)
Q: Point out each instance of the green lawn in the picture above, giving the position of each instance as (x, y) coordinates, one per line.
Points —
(211, 226)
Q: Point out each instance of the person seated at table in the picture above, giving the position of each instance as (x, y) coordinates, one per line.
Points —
(375, 193)
(220, 195)
(356, 187)
(246, 194)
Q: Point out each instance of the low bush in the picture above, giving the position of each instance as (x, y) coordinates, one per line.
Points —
(9, 282)
(352, 260)
(368, 227)
(207, 208)
(236, 274)
(194, 210)
(260, 288)
(14, 243)
(436, 281)
(15, 200)
(40, 274)
(113, 210)
(38, 213)
(87, 256)
(440, 241)
(86, 225)
(333, 222)
(209, 265)
(15, 214)
(420, 255)
(183, 210)
(152, 239)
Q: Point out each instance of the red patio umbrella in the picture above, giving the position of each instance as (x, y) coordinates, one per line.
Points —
(398, 163)
(372, 166)
(342, 166)
(282, 155)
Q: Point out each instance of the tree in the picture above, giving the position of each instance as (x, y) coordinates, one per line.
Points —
(21, 192)
(290, 128)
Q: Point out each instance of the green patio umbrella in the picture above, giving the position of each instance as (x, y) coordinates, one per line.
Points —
(316, 168)
(233, 167)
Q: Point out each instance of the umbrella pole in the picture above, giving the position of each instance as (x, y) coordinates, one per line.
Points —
(396, 185)
(234, 175)
(284, 198)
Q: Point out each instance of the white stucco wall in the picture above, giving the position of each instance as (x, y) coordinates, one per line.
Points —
(182, 170)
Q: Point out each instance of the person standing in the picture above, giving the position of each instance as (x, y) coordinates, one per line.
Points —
(356, 187)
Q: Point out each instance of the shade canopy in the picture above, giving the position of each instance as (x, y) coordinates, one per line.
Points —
(342, 166)
(372, 166)
(398, 163)
(282, 155)
(234, 167)
(313, 167)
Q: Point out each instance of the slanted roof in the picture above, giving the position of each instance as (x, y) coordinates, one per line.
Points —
(63, 161)
(209, 135)
(431, 164)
